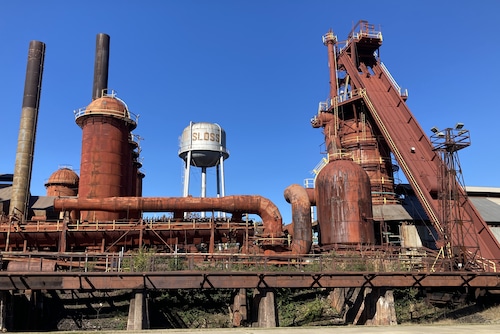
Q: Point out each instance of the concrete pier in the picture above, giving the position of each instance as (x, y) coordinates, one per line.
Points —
(239, 309)
(3, 311)
(138, 313)
(265, 308)
(365, 306)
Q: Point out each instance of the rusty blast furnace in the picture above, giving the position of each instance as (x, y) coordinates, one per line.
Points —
(366, 119)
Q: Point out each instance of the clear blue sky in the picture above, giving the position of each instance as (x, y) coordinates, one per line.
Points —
(258, 68)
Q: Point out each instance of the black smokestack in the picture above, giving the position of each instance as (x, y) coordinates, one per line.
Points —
(101, 65)
(27, 130)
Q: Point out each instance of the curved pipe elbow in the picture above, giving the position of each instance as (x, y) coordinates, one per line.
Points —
(298, 197)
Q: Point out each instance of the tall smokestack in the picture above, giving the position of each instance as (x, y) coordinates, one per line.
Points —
(101, 65)
(27, 130)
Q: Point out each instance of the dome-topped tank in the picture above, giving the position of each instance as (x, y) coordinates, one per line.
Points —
(344, 207)
(107, 158)
(63, 182)
(206, 142)
(107, 105)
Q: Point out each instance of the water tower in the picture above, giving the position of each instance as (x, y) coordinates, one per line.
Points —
(203, 145)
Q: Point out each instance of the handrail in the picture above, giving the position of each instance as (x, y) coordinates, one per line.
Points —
(126, 113)
(325, 106)
(319, 166)
(391, 78)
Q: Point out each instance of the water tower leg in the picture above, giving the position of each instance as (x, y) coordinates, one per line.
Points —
(203, 186)
(187, 171)
(222, 185)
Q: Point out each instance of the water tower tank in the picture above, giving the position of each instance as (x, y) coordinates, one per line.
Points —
(207, 143)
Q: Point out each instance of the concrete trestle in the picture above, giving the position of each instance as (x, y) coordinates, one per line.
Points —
(358, 306)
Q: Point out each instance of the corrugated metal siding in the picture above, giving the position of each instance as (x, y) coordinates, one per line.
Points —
(496, 232)
(43, 202)
(488, 207)
(5, 193)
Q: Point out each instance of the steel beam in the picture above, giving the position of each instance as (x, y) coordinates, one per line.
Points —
(92, 281)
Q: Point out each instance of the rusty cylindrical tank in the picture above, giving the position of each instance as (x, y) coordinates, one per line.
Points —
(106, 160)
(27, 129)
(344, 207)
(372, 153)
(63, 182)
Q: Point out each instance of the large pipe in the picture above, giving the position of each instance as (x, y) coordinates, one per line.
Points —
(267, 210)
(101, 65)
(298, 197)
(329, 40)
(27, 130)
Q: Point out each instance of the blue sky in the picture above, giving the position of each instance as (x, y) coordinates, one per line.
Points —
(258, 68)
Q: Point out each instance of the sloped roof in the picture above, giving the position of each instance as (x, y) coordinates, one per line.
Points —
(489, 208)
(390, 212)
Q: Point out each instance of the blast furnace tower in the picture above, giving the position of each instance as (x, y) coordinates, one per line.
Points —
(204, 145)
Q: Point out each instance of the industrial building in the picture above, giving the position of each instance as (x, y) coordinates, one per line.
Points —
(431, 232)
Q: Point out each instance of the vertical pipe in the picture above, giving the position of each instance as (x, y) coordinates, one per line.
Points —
(101, 65)
(329, 41)
(27, 130)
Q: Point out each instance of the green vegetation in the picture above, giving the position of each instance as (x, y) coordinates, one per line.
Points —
(301, 307)
(192, 309)
(145, 259)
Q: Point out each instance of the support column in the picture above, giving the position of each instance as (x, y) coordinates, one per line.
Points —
(379, 307)
(365, 306)
(3, 311)
(347, 302)
(138, 313)
(239, 308)
(265, 308)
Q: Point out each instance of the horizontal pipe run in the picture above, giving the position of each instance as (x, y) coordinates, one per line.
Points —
(252, 204)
